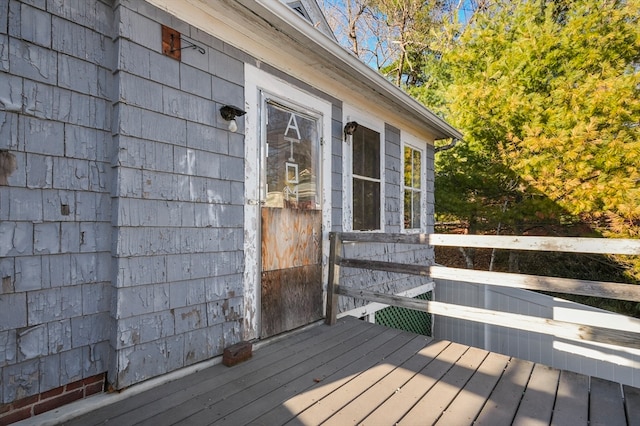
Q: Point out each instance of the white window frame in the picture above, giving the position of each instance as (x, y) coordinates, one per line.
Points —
(413, 142)
(363, 118)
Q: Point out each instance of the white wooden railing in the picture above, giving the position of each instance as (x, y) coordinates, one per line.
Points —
(600, 334)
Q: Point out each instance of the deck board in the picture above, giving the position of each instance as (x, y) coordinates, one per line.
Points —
(185, 388)
(155, 403)
(467, 405)
(632, 405)
(405, 397)
(537, 402)
(374, 395)
(433, 403)
(360, 373)
(330, 395)
(253, 387)
(501, 407)
(606, 404)
(304, 376)
(395, 384)
(572, 400)
(195, 401)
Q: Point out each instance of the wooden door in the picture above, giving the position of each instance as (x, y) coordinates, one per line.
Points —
(291, 214)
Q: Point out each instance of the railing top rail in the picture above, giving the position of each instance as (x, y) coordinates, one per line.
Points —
(509, 242)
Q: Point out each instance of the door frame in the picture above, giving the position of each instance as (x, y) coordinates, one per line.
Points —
(258, 85)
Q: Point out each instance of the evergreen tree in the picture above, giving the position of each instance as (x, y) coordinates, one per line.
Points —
(547, 93)
(554, 88)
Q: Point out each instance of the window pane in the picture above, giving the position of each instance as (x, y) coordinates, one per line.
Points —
(412, 188)
(415, 224)
(408, 170)
(366, 205)
(408, 210)
(412, 208)
(417, 168)
(366, 153)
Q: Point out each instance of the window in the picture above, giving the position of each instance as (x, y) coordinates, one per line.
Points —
(412, 188)
(298, 7)
(366, 179)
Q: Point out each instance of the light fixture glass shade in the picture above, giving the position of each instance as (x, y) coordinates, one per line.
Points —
(229, 113)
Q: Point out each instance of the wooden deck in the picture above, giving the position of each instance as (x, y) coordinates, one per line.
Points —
(360, 373)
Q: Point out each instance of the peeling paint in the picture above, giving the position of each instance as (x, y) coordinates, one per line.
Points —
(8, 165)
(7, 285)
(32, 342)
(9, 106)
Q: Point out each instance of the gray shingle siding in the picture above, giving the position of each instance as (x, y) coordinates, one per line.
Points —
(126, 204)
(55, 248)
(179, 215)
(122, 225)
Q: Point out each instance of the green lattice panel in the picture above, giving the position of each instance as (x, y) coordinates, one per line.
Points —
(406, 319)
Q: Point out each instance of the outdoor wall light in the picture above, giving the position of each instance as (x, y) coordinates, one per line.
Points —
(349, 129)
(229, 113)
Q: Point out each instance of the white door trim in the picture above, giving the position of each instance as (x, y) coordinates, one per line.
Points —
(257, 83)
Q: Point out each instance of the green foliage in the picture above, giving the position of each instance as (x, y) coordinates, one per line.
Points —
(474, 184)
(551, 91)
(547, 93)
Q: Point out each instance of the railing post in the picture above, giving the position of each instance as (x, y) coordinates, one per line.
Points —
(335, 250)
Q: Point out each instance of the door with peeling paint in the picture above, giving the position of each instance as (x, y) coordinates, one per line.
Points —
(291, 218)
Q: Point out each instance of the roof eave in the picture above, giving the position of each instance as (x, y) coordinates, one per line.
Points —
(280, 14)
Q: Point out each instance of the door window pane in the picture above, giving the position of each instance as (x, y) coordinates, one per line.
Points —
(292, 160)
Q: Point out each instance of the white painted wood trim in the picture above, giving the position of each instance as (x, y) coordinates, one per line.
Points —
(407, 139)
(568, 330)
(561, 244)
(506, 242)
(612, 290)
(374, 307)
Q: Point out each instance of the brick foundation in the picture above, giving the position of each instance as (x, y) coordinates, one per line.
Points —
(52, 399)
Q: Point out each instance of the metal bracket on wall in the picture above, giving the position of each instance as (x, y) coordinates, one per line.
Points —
(172, 44)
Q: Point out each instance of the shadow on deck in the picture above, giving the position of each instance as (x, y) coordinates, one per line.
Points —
(360, 373)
